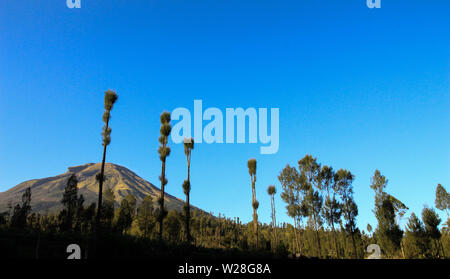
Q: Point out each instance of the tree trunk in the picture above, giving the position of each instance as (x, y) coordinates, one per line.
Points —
(255, 221)
(317, 236)
(188, 210)
(100, 184)
(442, 248)
(161, 207)
(332, 227)
(344, 238)
(274, 224)
(297, 242)
(403, 250)
(335, 241)
(354, 245)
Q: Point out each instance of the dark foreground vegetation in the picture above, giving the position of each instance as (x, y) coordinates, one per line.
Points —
(129, 231)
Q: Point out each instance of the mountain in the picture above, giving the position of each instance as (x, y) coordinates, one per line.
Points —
(46, 193)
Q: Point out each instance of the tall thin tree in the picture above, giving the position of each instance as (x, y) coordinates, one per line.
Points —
(310, 169)
(344, 180)
(332, 208)
(255, 204)
(110, 99)
(294, 188)
(188, 146)
(271, 190)
(388, 233)
(163, 151)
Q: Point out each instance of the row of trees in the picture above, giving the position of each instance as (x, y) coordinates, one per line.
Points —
(421, 239)
(318, 198)
(319, 194)
(304, 191)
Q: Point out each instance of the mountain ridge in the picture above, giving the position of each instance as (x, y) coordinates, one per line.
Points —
(46, 193)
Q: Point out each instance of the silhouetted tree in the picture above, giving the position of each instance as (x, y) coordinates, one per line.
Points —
(20, 213)
(344, 187)
(88, 218)
(110, 99)
(173, 225)
(127, 212)
(255, 204)
(388, 232)
(188, 146)
(271, 190)
(72, 205)
(163, 151)
(332, 208)
(108, 206)
(294, 192)
(310, 169)
(146, 218)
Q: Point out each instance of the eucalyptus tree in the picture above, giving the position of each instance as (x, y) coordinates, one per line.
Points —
(271, 190)
(109, 101)
(416, 241)
(442, 201)
(314, 202)
(294, 192)
(188, 146)
(344, 187)
(432, 221)
(163, 151)
(388, 232)
(310, 169)
(251, 164)
(332, 208)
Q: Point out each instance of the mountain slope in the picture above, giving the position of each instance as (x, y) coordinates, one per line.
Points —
(46, 193)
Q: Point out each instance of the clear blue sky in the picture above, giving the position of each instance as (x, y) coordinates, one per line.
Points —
(358, 88)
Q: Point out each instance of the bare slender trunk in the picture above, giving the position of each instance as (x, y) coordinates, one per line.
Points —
(274, 223)
(297, 242)
(100, 184)
(442, 248)
(335, 240)
(332, 226)
(188, 210)
(317, 235)
(403, 250)
(161, 208)
(255, 216)
(344, 238)
(354, 244)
